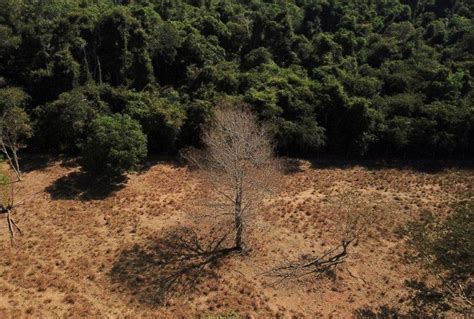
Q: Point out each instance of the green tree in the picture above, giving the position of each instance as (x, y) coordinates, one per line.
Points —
(63, 125)
(15, 125)
(115, 145)
(161, 117)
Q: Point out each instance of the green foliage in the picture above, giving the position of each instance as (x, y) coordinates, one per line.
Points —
(286, 98)
(15, 122)
(115, 145)
(12, 97)
(63, 125)
(160, 115)
(345, 77)
(16, 127)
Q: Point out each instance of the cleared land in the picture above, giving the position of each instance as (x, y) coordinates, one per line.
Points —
(90, 251)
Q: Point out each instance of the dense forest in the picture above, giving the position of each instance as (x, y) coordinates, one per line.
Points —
(352, 78)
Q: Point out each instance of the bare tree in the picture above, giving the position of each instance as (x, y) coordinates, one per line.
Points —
(238, 161)
(14, 125)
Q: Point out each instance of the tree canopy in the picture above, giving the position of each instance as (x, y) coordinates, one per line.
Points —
(344, 77)
(115, 145)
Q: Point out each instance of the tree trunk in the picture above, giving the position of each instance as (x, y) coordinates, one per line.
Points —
(238, 219)
(100, 70)
(86, 62)
(10, 160)
(17, 165)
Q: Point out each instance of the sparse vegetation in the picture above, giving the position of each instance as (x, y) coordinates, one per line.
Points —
(87, 243)
(355, 219)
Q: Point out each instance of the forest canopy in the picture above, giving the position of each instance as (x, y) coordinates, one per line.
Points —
(386, 77)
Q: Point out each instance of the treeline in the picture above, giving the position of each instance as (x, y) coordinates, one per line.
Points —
(386, 77)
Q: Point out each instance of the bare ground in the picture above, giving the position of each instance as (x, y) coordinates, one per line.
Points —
(89, 250)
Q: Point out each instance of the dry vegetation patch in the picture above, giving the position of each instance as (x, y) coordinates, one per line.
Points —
(82, 256)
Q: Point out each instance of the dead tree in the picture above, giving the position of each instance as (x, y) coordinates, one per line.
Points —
(8, 208)
(238, 161)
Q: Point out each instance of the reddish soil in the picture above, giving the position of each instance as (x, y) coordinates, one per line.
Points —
(76, 234)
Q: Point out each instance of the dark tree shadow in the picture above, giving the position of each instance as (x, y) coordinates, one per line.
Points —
(172, 265)
(30, 162)
(384, 312)
(85, 186)
(423, 302)
(70, 162)
(290, 165)
(417, 165)
(154, 160)
(426, 301)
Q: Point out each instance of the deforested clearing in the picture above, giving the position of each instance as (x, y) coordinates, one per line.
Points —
(96, 252)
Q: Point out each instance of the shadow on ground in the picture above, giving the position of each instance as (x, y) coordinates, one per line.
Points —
(292, 165)
(29, 163)
(154, 160)
(84, 186)
(169, 266)
(383, 312)
(422, 302)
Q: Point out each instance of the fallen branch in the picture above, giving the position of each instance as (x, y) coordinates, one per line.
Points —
(327, 262)
(12, 225)
(8, 209)
(314, 266)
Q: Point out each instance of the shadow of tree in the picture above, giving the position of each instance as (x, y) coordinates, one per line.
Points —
(417, 165)
(421, 165)
(426, 301)
(29, 162)
(384, 312)
(172, 265)
(84, 186)
(291, 165)
(423, 302)
(153, 160)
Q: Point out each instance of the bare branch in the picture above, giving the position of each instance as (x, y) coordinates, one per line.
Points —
(238, 163)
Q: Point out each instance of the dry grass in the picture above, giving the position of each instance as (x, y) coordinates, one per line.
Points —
(63, 265)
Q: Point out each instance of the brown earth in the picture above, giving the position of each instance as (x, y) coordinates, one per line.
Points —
(87, 250)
